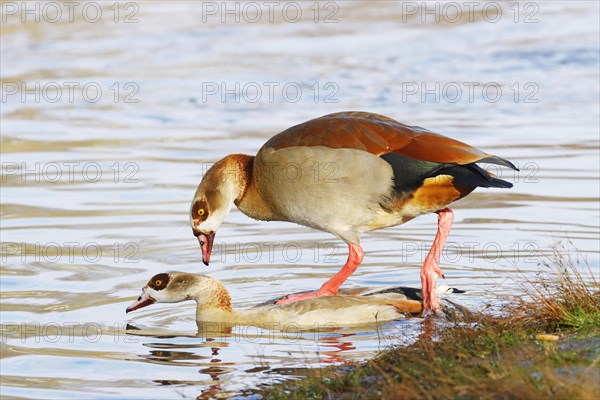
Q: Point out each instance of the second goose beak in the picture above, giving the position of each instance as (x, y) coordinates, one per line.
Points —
(144, 300)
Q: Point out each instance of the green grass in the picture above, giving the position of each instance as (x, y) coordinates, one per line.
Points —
(581, 319)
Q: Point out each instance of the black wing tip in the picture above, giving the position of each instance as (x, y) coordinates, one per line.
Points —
(411, 292)
(498, 161)
(500, 183)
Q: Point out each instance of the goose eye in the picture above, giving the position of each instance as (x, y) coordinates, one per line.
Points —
(201, 212)
(158, 282)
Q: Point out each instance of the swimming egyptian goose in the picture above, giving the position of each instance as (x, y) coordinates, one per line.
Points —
(346, 173)
(356, 306)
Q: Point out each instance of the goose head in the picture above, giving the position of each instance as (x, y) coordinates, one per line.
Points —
(222, 184)
(175, 287)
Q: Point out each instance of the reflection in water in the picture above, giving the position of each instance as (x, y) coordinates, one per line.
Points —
(208, 354)
(214, 371)
(95, 196)
(211, 353)
(335, 342)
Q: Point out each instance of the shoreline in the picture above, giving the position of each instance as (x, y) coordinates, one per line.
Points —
(544, 345)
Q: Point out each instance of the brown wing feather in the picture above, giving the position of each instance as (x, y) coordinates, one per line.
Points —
(378, 135)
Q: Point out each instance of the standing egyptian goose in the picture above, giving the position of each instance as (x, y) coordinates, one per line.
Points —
(346, 173)
(358, 306)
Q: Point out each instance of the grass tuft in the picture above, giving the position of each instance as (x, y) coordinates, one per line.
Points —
(561, 296)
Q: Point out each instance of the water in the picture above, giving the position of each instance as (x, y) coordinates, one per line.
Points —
(95, 195)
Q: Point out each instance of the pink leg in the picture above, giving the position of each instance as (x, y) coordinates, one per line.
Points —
(330, 288)
(431, 265)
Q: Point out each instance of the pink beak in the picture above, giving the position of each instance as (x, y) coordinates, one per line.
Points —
(142, 301)
(206, 243)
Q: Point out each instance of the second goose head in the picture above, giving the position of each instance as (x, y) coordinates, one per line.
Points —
(175, 287)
